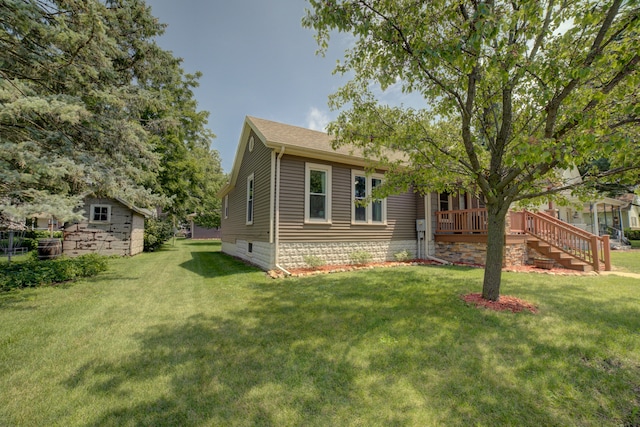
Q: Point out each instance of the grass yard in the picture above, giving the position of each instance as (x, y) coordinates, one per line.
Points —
(188, 336)
(628, 261)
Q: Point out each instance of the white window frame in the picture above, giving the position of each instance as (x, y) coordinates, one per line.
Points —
(226, 206)
(251, 199)
(92, 209)
(634, 221)
(368, 208)
(307, 194)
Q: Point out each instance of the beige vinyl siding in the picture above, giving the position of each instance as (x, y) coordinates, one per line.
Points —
(257, 162)
(419, 206)
(401, 209)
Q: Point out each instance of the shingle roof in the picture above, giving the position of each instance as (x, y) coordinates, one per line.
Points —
(274, 133)
(296, 141)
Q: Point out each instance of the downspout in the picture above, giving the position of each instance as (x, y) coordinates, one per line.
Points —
(429, 228)
(277, 218)
(273, 197)
(429, 232)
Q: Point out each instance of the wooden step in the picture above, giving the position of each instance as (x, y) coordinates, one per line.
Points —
(564, 259)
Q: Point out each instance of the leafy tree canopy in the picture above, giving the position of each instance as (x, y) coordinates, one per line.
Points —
(514, 91)
(90, 103)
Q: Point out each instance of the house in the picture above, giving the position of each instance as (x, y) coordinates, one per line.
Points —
(111, 226)
(630, 212)
(600, 216)
(43, 221)
(292, 196)
(198, 232)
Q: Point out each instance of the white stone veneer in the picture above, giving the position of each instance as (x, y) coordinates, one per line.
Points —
(337, 253)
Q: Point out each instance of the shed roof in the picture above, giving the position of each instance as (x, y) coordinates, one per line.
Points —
(142, 211)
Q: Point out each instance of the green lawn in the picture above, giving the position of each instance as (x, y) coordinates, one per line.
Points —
(628, 261)
(188, 336)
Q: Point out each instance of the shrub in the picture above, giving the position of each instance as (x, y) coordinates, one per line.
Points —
(42, 234)
(632, 234)
(360, 257)
(33, 272)
(156, 233)
(402, 256)
(26, 242)
(314, 261)
(30, 243)
(92, 264)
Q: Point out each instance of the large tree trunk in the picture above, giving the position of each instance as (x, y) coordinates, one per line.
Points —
(495, 252)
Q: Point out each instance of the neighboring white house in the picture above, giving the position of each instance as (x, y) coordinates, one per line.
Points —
(631, 211)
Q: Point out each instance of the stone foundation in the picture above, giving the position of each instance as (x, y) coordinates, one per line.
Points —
(337, 253)
(515, 254)
(292, 255)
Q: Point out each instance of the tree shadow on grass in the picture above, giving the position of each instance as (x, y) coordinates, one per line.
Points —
(203, 243)
(393, 348)
(18, 299)
(585, 300)
(216, 264)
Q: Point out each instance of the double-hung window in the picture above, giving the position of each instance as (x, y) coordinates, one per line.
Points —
(317, 184)
(374, 212)
(250, 196)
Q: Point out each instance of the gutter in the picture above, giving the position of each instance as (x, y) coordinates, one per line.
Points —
(272, 197)
(277, 218)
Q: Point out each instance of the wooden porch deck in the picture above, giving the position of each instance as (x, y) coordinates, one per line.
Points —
(569, 246)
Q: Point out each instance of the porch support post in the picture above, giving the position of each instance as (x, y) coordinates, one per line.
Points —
(428, 238)
(621, 223)
(595, 254)
(594, 212)
(605, 251)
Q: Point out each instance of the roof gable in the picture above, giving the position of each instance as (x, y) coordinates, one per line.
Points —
(292, 140)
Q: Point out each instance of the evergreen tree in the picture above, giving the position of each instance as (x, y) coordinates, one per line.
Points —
(78, 80)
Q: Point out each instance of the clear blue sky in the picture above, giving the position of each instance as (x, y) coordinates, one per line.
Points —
(256, 60)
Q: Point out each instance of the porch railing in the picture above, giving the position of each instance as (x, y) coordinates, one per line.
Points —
(581, 244)
(468, 221)
(575, 241)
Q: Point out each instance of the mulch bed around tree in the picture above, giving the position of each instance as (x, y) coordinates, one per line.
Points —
(504, 303)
